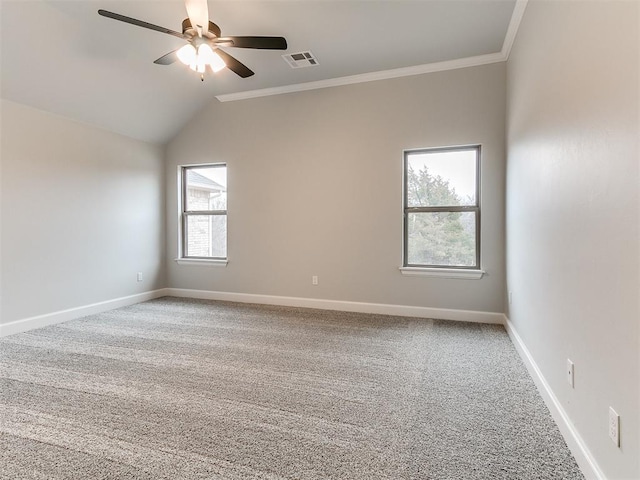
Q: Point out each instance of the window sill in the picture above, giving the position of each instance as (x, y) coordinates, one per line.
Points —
(202, 262)
(443, 272)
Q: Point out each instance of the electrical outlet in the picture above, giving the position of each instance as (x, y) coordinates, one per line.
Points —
(614, 427)
(314, 280)
(510, 297)
(139, 276)
(570, 372)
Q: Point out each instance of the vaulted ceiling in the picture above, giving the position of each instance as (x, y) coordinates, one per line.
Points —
(62, 57)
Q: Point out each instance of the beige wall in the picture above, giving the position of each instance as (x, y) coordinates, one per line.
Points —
(572, 212)
(315, 182)
(82, 213)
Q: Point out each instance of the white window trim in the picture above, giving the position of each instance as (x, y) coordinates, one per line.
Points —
(464, 273)
(203, 262)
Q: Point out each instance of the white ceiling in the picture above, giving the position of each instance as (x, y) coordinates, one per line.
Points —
(62, 57)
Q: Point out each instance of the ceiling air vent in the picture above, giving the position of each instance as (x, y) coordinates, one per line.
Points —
(300, 60)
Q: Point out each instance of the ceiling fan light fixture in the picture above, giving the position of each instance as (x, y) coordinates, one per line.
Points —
(216, 63)
(187, 54)
(198, 66)
(206, 56)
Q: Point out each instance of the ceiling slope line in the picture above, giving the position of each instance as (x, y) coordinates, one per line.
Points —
(514, 25)
(367, 77)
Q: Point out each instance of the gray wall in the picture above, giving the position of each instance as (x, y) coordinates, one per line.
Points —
(82, 213)
(315, 188)
(572, 212)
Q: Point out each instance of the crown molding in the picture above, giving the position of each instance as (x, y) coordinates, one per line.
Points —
(514, 25)
(502, 56)
(367, 77)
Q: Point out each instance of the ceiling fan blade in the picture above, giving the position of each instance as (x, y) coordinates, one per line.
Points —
(198, 13)
(167, 59)
(140, 23)
(268, 43)
(234, 64)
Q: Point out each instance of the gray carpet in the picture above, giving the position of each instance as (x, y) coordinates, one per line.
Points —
(186, 389)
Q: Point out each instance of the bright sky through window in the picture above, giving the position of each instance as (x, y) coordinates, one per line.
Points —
(457, 167)
(217, 174)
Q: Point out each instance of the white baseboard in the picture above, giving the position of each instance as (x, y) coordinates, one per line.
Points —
(581, 453)
(40, 321)
(345, 306)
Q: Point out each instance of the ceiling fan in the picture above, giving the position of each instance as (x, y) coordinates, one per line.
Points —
(204, 41)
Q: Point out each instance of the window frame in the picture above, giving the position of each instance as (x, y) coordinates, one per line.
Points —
(185, 214)
(412, 268)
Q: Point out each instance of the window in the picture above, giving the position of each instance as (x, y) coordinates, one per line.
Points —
(441, 208)
(204, 212)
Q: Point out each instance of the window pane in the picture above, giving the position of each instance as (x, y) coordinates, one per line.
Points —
(206, 188)
(441, 178)
(442, 238)
(206, 236)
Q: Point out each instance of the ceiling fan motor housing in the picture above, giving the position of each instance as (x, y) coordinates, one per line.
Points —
(187, 29)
